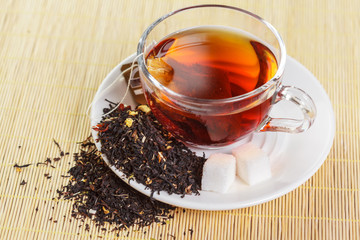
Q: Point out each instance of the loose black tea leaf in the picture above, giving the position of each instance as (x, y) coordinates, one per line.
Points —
(47, 175)
(21, 166)
(191, 232)
(101, 195)
(61, 152)
(58, 146)
(55, 159)
(137, 144)
(23, 183)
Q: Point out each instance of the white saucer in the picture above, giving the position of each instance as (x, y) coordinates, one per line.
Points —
(294, 157)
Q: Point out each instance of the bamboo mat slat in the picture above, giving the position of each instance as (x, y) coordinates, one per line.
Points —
(53, 56)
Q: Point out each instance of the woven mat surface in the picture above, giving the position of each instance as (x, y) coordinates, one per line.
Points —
(53, 56)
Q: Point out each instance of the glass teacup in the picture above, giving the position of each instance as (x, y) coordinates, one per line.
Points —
(207, 111)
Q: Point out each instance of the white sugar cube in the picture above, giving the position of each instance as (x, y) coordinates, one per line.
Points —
(252, 164)
(218, 172)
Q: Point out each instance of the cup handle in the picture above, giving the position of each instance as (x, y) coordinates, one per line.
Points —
(289, 125)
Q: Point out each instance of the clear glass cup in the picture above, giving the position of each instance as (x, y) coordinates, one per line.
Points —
(210, 123)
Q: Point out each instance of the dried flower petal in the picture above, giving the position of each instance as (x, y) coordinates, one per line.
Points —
(129, 122)
(144, 108)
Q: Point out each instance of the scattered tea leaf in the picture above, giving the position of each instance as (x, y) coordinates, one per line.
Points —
(47, 175)
(22, 166)
(102, 196)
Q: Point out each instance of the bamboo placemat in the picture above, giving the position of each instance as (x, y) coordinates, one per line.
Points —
(54, 55)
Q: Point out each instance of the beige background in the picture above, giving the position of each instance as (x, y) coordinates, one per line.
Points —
(54, 55)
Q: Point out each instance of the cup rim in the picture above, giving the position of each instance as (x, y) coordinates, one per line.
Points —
(171, 93)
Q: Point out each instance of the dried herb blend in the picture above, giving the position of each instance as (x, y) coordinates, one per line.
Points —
(137, 144)
(101, 195)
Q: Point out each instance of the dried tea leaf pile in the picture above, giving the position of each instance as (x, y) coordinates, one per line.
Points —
(99, 194)
(137, 144)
